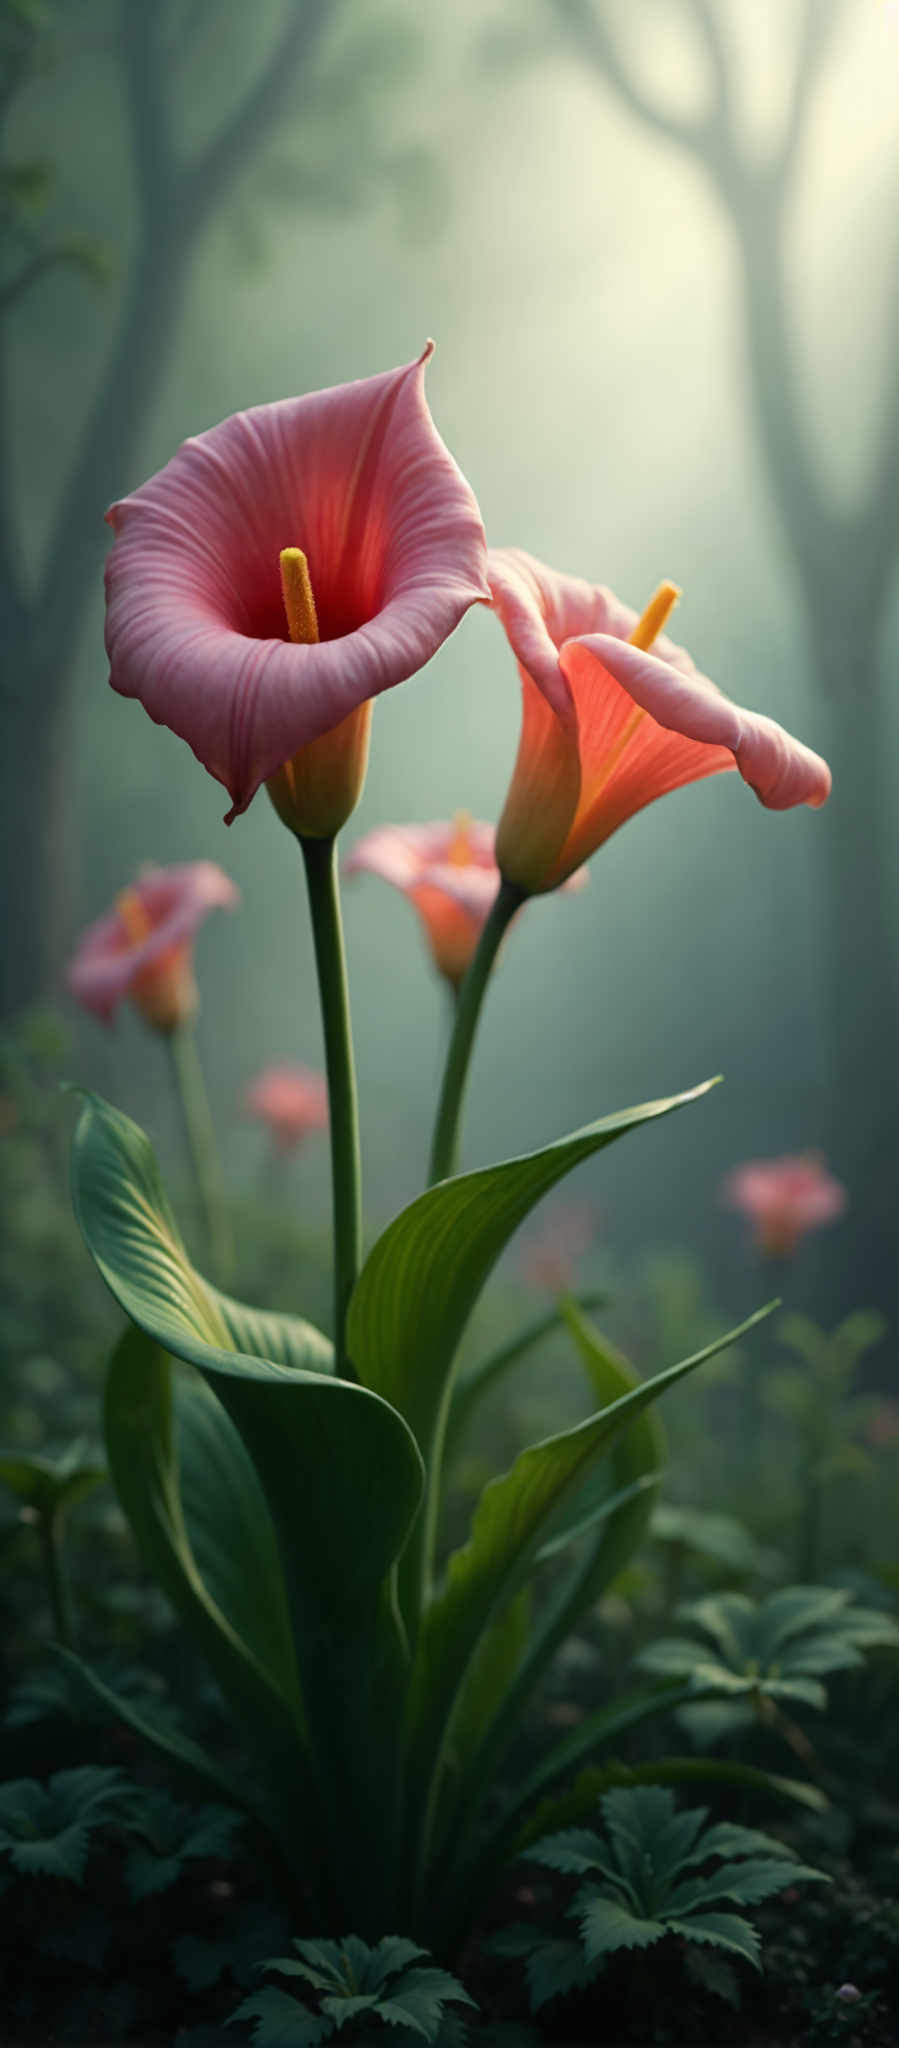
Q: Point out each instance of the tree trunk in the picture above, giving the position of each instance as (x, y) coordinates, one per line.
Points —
(862, 1138)
(38, 839)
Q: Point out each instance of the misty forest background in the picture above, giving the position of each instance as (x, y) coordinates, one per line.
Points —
(658, 247)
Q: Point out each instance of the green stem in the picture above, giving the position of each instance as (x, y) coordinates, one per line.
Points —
(445, 1143)
(55, 1578)
(320, 859)
(199, 1138)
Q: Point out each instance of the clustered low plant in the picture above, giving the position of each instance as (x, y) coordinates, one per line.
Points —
(655, 1873)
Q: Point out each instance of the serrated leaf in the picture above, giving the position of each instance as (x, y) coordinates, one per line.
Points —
(281, 2021)
(344, 2006)
(713, 1974)
(607, 1925)
(721, 1930)
(418, 1999)
(553, 1969)
(747, 1884)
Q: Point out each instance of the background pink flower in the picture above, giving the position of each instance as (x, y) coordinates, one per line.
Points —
(549, 1259)
(785, 1198)
(447, 870)
(608, 727)
(291, 1100)
(143, 948)
(356, 477)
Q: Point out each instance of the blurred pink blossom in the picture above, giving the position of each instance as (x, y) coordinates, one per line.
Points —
(292, 1101)
(549, 1260)
(447, 870)
(883, 1427)
(784, 1199)
(143, 948)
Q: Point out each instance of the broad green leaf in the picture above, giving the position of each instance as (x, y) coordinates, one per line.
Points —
(339, 1469)
(614, 1506)
(257, 1676)
(423, 1277)
(127, 1223)
(506, 1533)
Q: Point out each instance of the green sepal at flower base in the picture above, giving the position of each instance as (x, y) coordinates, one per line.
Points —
(336, 1473)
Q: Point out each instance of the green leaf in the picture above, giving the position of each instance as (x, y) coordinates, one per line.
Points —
(418, 2000)
(553, 1969)
(423, 1277)
(507, 1529)
(747, 1883)
(341, 1476)
(258, 1677)
(52, 1485)
(606, 1925)
(126, 1221)
(281, 2021)
(192, 1762)
(721, 1930)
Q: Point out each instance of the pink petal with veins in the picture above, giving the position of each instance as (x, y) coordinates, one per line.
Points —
(356, 476)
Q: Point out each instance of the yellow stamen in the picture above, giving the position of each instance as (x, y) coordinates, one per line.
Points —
(135, 916)
(657, 612)
(299, 603)
(459, 851)
(656, 615)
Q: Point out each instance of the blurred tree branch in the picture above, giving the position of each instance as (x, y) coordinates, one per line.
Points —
(845, 558)
(177, 195)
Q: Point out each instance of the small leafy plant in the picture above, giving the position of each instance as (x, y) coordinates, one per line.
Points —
(777, 1649)
(45, 1830)
(653, 1873)
(351, 1983)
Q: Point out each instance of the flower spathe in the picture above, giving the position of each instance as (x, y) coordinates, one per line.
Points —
(357, 479)
(447, 870)
(608, 726)
(784, 1199)
(292, 1101)
(143, 947)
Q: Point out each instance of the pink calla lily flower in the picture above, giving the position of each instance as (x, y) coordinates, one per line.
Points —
(357, 481)
(292, 1101)
(607, 726)
(784, 1199)
(143, 948)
